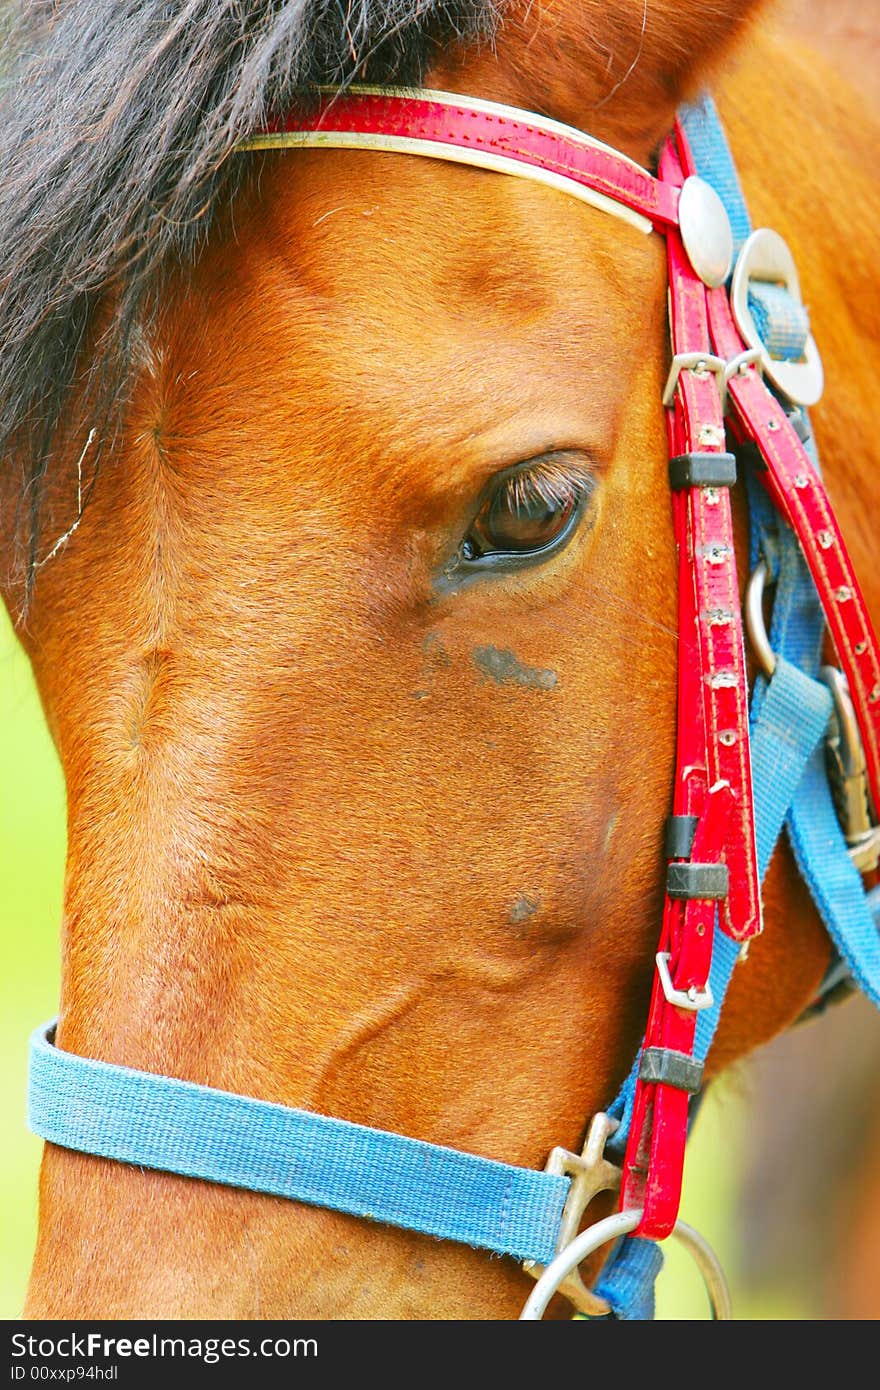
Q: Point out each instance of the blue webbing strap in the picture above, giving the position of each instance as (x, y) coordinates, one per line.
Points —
(783, 325)
(833, 880)
(179, 1127)
(628, 1282)
(714, 163)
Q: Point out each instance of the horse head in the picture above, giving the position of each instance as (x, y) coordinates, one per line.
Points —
(359, 644)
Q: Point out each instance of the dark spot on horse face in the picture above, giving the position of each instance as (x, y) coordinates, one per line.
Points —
(526, 906)
(504, 668)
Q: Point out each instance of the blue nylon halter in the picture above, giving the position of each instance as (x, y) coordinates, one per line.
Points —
(178, 1127)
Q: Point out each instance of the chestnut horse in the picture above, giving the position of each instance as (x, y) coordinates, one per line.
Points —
(346, 833)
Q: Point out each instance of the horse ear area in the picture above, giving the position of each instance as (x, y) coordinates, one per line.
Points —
(615, 68)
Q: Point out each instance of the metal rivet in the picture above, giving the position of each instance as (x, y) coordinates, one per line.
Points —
(718, 617)
(860, 648)
(825, 539)
(773, 424)
(710, 496)
(875, 694)
(843, 593)
(728, 738)
(710, 435)
(801, 480)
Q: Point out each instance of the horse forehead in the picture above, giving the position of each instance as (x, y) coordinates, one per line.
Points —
(379, 297)
(408, 239)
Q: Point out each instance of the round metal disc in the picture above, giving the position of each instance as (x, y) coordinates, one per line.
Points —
(705, 231)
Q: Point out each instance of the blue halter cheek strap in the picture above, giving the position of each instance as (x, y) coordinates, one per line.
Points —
(195, 1131)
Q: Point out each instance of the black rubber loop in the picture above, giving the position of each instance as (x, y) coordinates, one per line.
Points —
(679, 837)
(697, 880)
(671, 1068)
(701, 470)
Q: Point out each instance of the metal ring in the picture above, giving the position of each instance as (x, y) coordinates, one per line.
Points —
(755, 625)
(621, 1224)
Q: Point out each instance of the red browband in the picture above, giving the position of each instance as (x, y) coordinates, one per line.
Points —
(713, 370)
(479, 129)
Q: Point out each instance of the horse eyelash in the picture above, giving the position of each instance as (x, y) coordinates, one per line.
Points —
(549, 481)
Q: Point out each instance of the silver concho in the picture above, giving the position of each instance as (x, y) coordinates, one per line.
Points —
(705, 230)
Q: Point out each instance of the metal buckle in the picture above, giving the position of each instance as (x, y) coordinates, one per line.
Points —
(848, 775)
(590, 1173)
(692, 999)
(737, 366)
(554, 1278)
(701, 364)
(765, 256)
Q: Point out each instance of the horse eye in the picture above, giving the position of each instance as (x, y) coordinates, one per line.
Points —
(528, 513)
(525, 522)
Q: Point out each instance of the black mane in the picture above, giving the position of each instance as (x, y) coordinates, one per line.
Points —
(116, 117)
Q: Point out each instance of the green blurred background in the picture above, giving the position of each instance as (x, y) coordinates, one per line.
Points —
(32, 836)
(31, 876)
